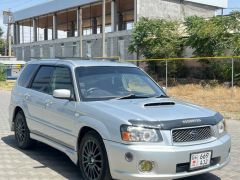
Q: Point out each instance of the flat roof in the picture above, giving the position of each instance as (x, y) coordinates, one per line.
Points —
(49, 7)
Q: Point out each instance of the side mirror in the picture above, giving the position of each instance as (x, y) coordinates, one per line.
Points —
(164, 89)
(62, 94)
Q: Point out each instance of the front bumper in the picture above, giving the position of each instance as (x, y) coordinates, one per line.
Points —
(166, 159)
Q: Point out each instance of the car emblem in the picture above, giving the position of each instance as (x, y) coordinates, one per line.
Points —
(189, 121)
(193, 133)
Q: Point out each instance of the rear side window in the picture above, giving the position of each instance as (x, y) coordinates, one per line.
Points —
(27, 74)
(42, 80)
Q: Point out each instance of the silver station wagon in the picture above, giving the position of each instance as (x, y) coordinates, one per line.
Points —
(114, 121)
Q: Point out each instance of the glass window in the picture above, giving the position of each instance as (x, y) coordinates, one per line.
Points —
(62, 79)
(43, 79)
(104, 83)
(26, 75)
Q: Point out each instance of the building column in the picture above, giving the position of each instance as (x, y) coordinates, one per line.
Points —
(103, 27)
(94, 25)
(113, 15)
(80, 31)
(135, 11)
(34, 30)
(54, 27)
(45, 34)
(22, 34)
(14, 33)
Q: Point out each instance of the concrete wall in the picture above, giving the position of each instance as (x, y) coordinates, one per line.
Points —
(172, 9)
(66, 47)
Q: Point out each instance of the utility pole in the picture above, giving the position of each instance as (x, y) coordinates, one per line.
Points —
(7, 15)
(103, 27)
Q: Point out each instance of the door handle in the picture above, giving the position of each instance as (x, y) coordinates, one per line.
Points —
(48, 103)
(26, 96)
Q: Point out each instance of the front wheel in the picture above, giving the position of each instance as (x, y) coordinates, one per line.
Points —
(93, 159)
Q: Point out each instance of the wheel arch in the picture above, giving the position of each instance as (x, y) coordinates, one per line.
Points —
(16, 110)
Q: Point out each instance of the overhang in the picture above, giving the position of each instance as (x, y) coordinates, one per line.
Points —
(49, 7)
(215, 3)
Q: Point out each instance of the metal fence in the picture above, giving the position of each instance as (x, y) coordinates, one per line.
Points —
(213, 82)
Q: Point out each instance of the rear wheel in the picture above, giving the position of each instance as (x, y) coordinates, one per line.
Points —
(93, 159)
(22, 133)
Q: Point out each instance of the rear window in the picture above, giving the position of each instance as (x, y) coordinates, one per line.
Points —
(27, 74)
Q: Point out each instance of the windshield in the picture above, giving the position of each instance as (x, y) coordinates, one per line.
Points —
(104, 83)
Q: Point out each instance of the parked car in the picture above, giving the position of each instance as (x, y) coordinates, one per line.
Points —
(114, 121)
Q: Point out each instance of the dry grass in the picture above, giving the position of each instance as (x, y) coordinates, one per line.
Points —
(222, 99)
(6, 85)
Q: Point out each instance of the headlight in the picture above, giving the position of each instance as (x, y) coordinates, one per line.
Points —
(140, 134)
(221, 127)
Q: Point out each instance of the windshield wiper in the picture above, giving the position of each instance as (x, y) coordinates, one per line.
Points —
(132, 96)
(161, 96)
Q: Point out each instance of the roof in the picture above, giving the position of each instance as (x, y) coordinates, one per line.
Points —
(58, 5)
(215, 3)
(81, 63)
(49, 7)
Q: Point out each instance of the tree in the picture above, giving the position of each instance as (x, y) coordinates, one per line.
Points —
(156, 38)
(213, 37)
(2, 43)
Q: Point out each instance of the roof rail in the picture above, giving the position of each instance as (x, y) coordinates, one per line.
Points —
(89, 58)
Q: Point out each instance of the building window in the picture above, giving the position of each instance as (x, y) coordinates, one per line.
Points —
(62, 50)
(74, 49)
(67, 24)
(89, 49)
(32, 52)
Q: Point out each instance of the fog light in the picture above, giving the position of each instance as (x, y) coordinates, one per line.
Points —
(146, 166)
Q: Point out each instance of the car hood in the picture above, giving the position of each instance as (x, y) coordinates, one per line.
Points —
(153, 110)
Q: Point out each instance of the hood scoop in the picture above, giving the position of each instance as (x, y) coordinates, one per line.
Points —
(159, 104)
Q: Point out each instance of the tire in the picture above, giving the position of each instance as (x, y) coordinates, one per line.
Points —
(22, 133)
(93, 159)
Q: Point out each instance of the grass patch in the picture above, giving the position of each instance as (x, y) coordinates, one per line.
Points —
(222, 99)
(6, 85)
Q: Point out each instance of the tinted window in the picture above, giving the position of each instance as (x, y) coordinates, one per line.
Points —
(62, 79)
(42, 81)
(26, 75)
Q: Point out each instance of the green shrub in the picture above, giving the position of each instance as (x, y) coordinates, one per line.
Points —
(2, 72)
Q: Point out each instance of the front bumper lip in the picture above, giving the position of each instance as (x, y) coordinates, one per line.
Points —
(165, 158)
(174, 176)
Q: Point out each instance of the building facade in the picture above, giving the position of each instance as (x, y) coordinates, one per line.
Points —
(93, 28)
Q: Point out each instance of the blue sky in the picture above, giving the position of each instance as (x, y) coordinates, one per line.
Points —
(15, 5)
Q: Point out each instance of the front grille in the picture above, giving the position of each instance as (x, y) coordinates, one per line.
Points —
(191, 134)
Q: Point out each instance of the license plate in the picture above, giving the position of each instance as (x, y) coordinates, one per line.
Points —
(200, 160)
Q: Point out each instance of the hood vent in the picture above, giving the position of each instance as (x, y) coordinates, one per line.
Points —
(159, 104)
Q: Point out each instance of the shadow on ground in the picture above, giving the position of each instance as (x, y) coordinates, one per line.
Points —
(61, 164)
(49, 158)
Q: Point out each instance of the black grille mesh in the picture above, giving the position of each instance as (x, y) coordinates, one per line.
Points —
(191, 134)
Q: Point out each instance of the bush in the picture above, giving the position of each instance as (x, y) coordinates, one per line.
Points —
(2, 72)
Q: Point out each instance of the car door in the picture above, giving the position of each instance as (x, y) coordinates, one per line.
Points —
(60, 113)
(35, 98)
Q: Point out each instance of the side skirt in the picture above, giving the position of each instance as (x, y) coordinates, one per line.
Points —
(71, 153)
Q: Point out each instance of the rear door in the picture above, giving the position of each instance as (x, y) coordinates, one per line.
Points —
(60, 113)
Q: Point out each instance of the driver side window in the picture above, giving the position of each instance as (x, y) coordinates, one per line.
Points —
(62, 79)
